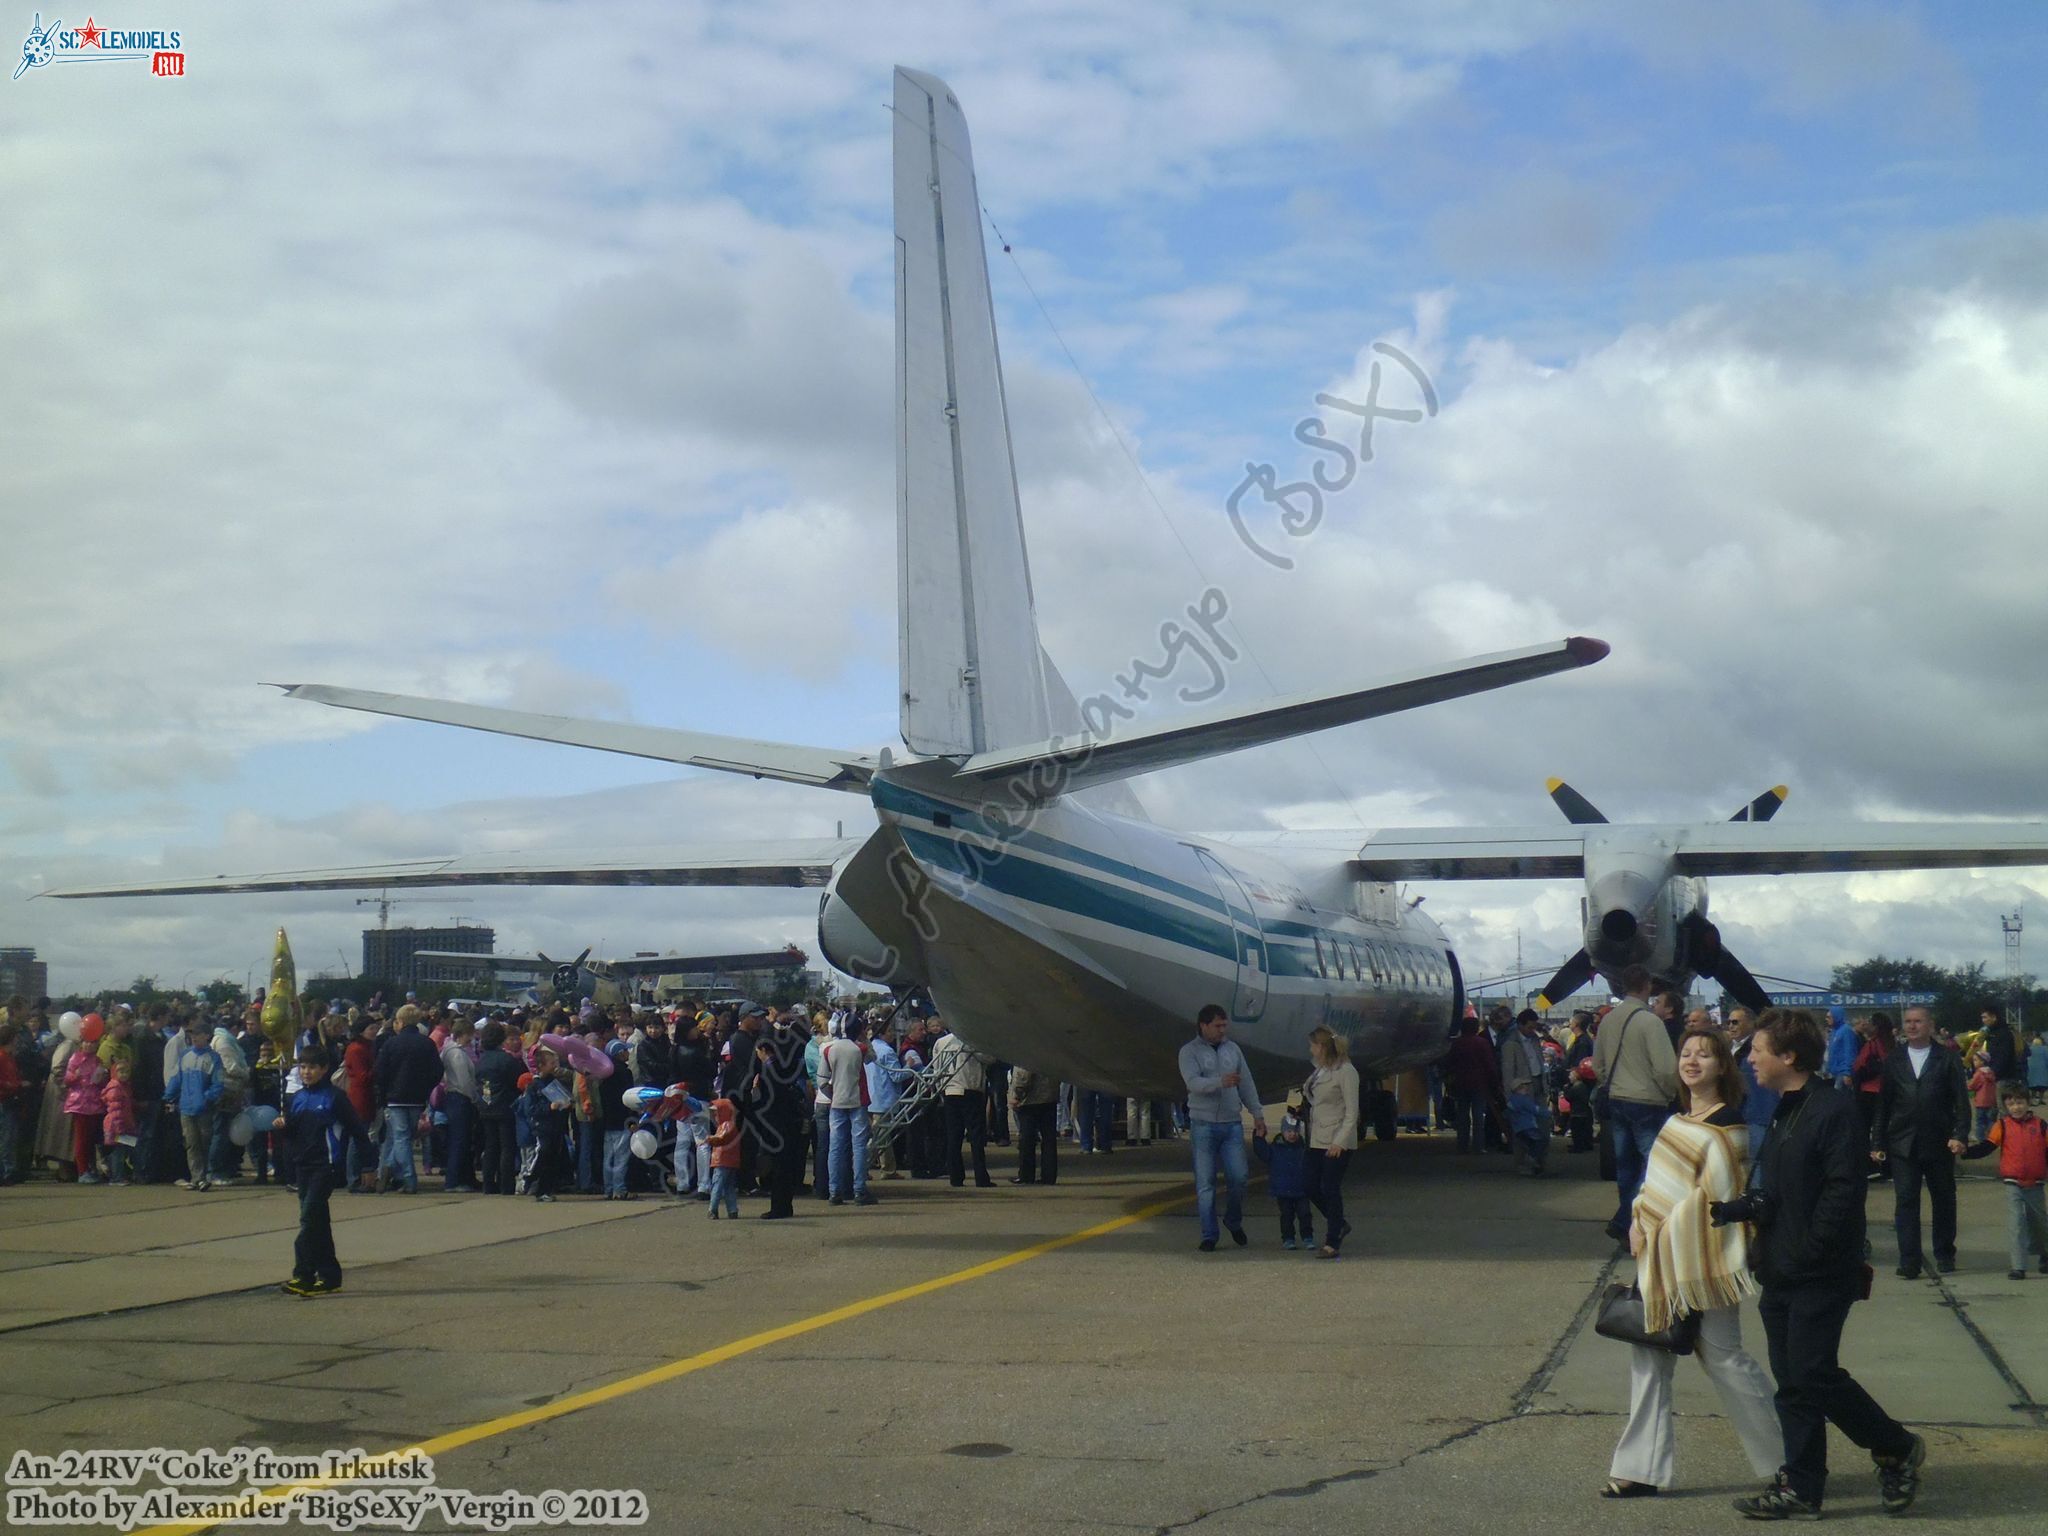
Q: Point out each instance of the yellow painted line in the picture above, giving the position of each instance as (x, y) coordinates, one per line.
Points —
(690, 1364)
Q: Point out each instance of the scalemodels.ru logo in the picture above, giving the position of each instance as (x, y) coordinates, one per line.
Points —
(93, 43)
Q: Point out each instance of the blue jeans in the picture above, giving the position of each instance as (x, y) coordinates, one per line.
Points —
(849, 1152)
(688, 1135)
(461, 1129)
(618, 1151)
(1214, 1139)
(586, 1157)
(397, 1158)
(1633, 1128)
(723, 1190)
(1098, 1117)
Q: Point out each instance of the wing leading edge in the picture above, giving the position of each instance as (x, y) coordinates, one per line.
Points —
(1705, 848)
(794, 863)
(817, 766)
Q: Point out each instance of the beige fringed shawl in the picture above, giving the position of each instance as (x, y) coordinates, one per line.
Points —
(1688, 1264)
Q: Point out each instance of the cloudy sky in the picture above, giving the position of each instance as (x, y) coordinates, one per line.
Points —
(540, 356)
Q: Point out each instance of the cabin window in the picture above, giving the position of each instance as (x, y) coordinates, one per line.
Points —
(1317, 941)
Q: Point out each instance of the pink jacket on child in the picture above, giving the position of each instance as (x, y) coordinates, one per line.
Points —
(120, 1101)
(83, 1074)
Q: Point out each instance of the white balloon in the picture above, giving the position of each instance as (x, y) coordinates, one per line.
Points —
(645, 1144)
(641, 1098)
(70, 1025)
(262, 1117)
(240, 1131)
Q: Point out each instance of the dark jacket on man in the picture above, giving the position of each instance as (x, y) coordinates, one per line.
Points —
(497, 1084)
(408, 1067)
(1917, 1117)
(1812, 1170)
(654, 1061)
(1999, 1046)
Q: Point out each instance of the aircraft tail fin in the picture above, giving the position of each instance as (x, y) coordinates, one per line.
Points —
(971, 674)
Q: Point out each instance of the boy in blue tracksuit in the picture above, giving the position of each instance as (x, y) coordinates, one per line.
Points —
(193, 1083)
(1286, 1163)
(318, 1122)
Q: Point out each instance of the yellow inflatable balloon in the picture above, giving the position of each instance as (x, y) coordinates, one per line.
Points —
(282, 1016)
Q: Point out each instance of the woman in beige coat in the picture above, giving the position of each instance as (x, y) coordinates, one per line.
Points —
(1331, 1097)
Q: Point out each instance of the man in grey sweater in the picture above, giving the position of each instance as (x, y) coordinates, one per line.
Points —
(1219, 1087)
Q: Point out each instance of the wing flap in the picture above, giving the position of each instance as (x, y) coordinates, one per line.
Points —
(816, 766)
(794, 863)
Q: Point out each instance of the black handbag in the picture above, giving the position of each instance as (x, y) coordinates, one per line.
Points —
(1621, 1317)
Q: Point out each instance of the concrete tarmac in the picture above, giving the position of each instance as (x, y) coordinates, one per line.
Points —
(978, 1359)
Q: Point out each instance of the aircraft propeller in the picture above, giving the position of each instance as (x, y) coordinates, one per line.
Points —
(1709, 956)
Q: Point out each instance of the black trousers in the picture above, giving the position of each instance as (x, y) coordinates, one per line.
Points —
(1296, 1212)
(1803, 1327)
(927, 1132)
(551, 1157)
(964, 1118)
(1036, 1134)
(313, 1256)
(782, 1163)
(1326, 1191)
(500, 1154)
(1938, 1173)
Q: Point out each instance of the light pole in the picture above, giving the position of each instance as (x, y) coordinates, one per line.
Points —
(2013, 924)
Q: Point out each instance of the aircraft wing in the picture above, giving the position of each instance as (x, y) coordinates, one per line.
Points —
(697, 749)
(1076, 762)
(791, 863)
(1703, 848)
(688, 965)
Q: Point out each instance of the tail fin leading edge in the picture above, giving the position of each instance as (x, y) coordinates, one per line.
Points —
(971, 679)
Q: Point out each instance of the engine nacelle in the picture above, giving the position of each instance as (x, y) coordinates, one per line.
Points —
(853, 947)
(1626, 921)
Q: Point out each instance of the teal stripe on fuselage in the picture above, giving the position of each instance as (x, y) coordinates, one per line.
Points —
(908, 802)
(1082, 895)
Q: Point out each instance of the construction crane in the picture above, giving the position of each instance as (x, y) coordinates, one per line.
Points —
(384, 901)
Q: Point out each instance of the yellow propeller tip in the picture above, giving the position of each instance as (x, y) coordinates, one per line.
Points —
(1552, 786)
(1541, 1003)
(1781, 790)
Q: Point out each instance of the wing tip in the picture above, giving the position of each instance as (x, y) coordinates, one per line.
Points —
(1585, 650)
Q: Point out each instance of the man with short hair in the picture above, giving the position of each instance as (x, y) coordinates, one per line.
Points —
(193, 1084)
(458, 1102)
(1219, 1084)
(1035, 1098)
(1998, 1044)
(1635, 1063)
(408, 1067)
(842, 1077)
(1527, 1084)
(1922, 1122)
(1805, 1196)
(1668, 1003)
(1758, 1102)
(966, 1103)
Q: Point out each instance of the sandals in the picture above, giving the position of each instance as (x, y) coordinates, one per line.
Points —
(1622, 1488)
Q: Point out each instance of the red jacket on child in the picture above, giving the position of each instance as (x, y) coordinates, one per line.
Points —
(2022, 1150)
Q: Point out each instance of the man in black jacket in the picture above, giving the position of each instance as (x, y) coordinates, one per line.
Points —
(408, 1067)
(1806, 1198)
(1922, 1122)
(1999, 1044)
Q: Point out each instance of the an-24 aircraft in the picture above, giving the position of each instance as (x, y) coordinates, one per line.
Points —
(1013, 872)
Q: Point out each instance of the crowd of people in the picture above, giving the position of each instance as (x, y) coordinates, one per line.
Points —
(1742, 1149)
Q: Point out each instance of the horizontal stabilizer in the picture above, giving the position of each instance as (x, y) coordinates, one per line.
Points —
(1142, 747)
(794, 863)
(696, 749)
(1707, 848)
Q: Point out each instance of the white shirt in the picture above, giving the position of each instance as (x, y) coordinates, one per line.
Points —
(1918, 1055)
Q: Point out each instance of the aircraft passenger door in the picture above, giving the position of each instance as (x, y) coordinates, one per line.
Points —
(1249, 936)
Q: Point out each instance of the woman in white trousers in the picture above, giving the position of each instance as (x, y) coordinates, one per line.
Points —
(1688, 1265)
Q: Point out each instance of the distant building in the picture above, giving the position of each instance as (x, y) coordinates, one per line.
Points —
(388, 953)
(21, 971)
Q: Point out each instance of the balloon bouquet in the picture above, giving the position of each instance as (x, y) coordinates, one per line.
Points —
(654, 1137)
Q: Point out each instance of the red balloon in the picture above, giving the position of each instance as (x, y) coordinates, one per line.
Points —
(525, 1081)
(93, 1018)
(91, 1029)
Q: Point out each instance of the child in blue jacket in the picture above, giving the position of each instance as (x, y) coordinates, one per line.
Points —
(1286, 1163)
